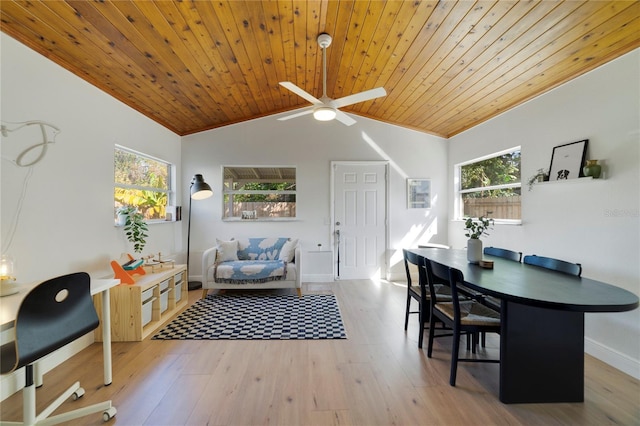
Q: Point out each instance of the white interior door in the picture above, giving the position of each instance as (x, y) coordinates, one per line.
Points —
(359, 219)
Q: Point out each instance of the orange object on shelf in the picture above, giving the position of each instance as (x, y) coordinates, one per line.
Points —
(126, 277)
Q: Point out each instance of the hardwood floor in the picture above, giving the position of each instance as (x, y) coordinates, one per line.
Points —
(378, 376)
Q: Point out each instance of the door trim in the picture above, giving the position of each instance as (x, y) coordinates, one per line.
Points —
(332, 229)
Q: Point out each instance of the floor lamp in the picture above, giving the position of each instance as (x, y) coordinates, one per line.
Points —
(199, 191)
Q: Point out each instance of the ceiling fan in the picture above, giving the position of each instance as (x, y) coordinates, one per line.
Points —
(325, 108)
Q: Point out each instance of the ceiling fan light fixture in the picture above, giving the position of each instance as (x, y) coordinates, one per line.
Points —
(324, 113)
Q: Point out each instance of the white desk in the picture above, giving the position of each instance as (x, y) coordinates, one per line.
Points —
(9, 306)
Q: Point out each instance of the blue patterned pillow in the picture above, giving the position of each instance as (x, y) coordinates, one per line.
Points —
(260, 248)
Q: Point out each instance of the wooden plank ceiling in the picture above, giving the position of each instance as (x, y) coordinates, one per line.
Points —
(447, 65)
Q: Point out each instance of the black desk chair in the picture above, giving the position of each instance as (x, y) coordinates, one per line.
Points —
(468, 316)
(554, 264)
(420, 293)
(53, 314)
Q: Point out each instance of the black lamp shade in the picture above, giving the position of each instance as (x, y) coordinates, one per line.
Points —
(199, 188)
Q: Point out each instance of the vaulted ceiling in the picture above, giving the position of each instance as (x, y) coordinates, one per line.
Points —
(446, 65)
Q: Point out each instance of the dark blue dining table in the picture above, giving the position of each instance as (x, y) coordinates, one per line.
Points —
(542, 323)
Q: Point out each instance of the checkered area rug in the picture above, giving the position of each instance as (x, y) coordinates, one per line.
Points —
(258, 317)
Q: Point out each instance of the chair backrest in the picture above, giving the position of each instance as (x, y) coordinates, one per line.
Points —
(554, 264)
(53, 314)
(413, 259)
(456, 278)
(436, 274)
(516, 256)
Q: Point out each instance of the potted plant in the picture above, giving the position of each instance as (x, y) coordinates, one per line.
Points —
(542, 175)
(121, 215)
(474, 229)
(135, 228)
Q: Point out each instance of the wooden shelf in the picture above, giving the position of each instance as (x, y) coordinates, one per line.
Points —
(139, 309)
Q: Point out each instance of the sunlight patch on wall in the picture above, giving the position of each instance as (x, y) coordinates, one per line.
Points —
(417, 234)
(383, 154)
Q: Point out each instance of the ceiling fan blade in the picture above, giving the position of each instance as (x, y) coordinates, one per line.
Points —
(300, 113)
(359, 97)
(298, 91)
(344, 118)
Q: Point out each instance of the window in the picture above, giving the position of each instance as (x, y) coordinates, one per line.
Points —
(259, 192)
(490, 186)
(143, 182)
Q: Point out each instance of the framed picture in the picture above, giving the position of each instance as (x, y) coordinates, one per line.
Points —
(418, 193)
(567, 160)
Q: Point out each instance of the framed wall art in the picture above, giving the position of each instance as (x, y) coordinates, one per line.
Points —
(567, 160)
(418, 193)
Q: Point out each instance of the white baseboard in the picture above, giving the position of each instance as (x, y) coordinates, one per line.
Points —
(317, 278)
(400, 277)
(12, 383)
(612, 357)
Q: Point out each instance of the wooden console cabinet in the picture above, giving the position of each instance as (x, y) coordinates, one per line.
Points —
(138, 310)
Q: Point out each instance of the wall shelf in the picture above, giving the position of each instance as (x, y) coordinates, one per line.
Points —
(571, 181)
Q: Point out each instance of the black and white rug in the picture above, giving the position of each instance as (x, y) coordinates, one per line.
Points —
(258, 317)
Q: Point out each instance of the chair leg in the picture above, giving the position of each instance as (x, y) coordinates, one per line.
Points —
(29, 397)
(421, 330)
(454, 355)
(432, 330)
(406, 313)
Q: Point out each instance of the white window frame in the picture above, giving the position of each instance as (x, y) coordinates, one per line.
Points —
(231, 193)
(457, 182)
(171, 179)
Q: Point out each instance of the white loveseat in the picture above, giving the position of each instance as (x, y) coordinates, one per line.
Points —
(228, 265)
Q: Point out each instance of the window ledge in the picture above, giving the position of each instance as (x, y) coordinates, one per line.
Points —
(151, 222)
(516, 222)
(260, 219)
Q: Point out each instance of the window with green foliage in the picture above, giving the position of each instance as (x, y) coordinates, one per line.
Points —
(143, 182)
(259, 192)
(490, 186)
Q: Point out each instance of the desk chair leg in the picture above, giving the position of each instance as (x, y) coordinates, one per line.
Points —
(29, 397)
(30, 417)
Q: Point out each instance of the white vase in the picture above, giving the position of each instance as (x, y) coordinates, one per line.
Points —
(122, 220)
(474, 250)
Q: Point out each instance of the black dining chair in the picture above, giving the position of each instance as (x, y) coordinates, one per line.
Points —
(52, 315)
(516, 256)
(468, 316)
(554, 264)
(420, 293)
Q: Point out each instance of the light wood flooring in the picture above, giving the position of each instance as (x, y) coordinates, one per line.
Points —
(378, 376)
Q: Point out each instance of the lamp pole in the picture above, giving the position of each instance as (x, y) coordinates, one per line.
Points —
(199, 190)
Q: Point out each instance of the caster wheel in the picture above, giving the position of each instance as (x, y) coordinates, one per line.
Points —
(109, 414)
(77, 394)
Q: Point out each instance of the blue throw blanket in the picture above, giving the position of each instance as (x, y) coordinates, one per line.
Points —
(250, 271)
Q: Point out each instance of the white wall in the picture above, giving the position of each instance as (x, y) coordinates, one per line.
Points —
(595, 223)
(311, 146)
(66, 222)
